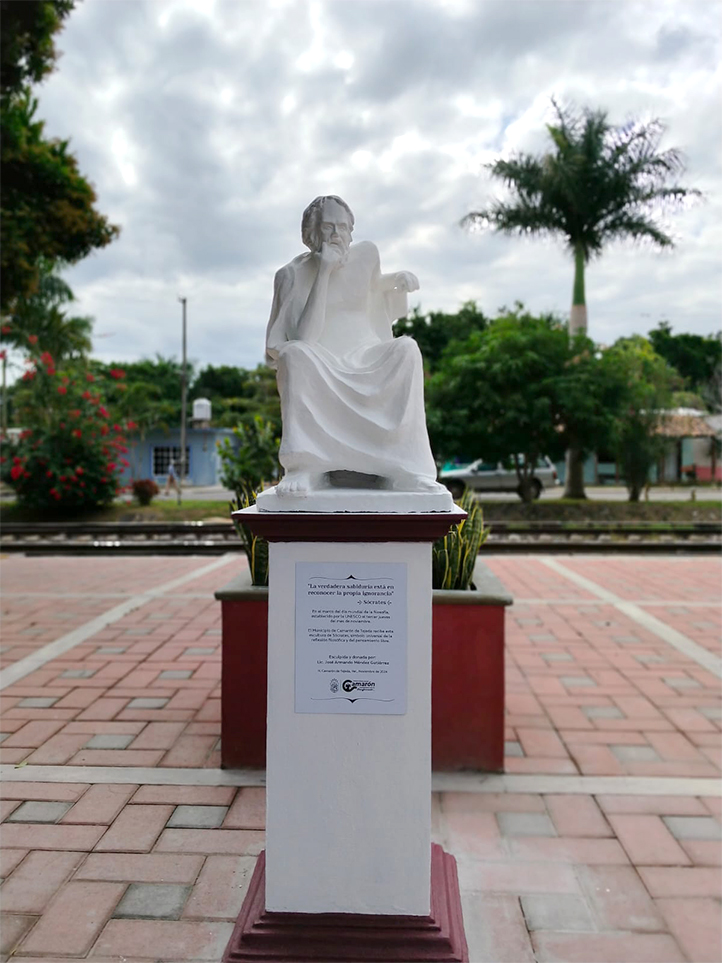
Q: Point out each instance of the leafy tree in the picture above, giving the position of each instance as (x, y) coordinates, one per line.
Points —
(222, 381)
(68, 457)
(163, 373)
(649, 384)
(47, 205)
(519, 390)
(238, 394)
(697, 358)
(436, 330)
(27, 50)
(597, 184)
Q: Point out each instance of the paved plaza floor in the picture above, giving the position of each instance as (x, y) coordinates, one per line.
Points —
(122, 840)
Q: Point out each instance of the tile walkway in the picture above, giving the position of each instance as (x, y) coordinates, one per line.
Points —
(601, 844)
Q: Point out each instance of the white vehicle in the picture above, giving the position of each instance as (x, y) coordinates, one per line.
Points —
(488, 476)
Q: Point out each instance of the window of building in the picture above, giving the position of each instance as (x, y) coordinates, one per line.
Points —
(164, 454)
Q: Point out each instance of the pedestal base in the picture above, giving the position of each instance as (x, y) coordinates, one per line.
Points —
(356, 500)
(350, 938)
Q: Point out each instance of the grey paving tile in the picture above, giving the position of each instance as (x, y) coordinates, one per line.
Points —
(39, 812)
(145, 630)
(197, 817)
(635, 753)
(143, 703)
(200, 650)
(525, 824)
(154, 901)
(556, 657)
(560, 913)
(648, 659)
(542, 638)
(213, 632)
(513, 749)
(711, 712)
(602, 712)
(109, 742)
(693, 827)
(78, 673)
(3, 736)
(176, 674)
(111, 649)
(577, 680)
(38, 702)
(681, 683)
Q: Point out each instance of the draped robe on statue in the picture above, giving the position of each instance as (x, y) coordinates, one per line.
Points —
(352, 400)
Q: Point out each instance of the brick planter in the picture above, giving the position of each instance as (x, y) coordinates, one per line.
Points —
(467, 689)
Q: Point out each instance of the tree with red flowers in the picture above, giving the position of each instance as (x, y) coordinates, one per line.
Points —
(70, 454)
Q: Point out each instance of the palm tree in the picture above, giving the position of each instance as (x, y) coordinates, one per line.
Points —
(598, 183)
(39, 320)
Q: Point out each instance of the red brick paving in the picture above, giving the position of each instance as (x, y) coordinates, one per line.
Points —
(612, 866)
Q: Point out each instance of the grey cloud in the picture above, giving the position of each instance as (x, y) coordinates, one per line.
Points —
(224, 165)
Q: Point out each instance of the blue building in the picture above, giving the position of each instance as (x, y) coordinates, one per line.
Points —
(151, 457)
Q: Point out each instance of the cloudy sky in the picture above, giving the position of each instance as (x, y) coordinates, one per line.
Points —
(206, 127)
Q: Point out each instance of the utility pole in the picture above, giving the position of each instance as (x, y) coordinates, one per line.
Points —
(184, 392)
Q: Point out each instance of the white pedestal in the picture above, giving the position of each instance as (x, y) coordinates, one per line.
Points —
(348, 796)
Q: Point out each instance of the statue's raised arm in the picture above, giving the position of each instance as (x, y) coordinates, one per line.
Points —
(351, 394)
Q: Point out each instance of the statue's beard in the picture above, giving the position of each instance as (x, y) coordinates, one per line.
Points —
(340, 245)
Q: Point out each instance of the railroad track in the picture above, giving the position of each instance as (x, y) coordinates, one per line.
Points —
(215, 538)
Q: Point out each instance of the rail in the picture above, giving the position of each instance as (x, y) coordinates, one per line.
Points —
(209, 538)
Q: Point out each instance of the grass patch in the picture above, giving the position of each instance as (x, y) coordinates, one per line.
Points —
(561, 510)
(157, 511)
(593, 510)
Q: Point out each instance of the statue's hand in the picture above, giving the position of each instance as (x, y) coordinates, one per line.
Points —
(331, 256)
(406, 281)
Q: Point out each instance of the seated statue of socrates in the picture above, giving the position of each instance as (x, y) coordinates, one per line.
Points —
(352, 395)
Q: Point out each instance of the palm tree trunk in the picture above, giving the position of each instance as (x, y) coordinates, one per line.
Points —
(574, 475)
(578, 316)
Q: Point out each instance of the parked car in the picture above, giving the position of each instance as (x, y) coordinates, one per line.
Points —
(492, 476)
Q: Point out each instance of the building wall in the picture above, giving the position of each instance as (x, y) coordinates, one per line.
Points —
(204, 463)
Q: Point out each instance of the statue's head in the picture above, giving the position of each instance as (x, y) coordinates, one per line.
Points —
(328, 218)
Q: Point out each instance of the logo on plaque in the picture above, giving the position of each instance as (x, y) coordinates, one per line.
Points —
(334, 685)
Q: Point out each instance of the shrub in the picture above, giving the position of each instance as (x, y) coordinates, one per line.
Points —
(454, 555)
(254, 460)
(255, 547)
(144, 490)
(69, 456)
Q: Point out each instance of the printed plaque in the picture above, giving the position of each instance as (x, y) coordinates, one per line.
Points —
(351, 626)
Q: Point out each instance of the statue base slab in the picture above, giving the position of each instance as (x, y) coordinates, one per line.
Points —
(356, 500)
(261, 936)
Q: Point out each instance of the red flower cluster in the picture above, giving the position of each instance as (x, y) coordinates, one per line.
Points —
(117, 373)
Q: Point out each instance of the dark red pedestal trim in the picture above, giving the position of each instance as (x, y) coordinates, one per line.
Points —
(349, 526)
(351, 938)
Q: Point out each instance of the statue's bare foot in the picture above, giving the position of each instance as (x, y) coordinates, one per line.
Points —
(417, 483)
(299, 483)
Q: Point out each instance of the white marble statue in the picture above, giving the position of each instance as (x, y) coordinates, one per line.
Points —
(352, 395)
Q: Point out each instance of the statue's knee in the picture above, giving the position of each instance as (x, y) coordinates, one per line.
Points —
(291, 353)
(408, 348)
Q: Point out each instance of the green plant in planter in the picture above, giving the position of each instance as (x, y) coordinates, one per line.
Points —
(454, 555)
(255, 547)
